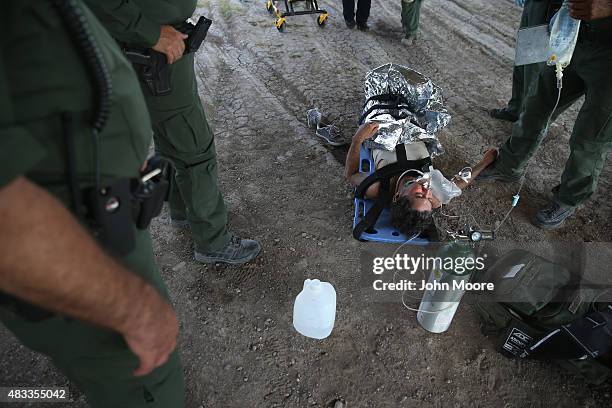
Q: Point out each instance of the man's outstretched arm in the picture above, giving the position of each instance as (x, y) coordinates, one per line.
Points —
(351, 166)
(48, 259)
(487, 159)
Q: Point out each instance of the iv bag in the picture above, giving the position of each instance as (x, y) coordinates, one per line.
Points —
(563, 37)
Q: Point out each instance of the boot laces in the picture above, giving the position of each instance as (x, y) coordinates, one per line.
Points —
(555, 209)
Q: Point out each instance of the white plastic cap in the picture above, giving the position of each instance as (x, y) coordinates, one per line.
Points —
(313, 284)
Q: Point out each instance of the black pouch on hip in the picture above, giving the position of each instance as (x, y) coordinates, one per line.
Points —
(111, 214)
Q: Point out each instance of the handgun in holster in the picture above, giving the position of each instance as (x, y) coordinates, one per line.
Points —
(152, 66)
(114, 210)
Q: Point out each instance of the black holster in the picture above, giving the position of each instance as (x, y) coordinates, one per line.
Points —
(152, 67)
(148, 196)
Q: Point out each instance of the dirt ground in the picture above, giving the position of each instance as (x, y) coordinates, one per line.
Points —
(286, 189)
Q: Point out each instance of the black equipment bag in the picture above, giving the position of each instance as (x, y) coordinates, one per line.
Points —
(541, 310)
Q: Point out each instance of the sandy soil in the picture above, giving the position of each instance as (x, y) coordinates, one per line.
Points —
(285, 188)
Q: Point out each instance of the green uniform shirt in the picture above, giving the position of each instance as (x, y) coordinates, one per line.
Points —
(42, 75)
(138, 22)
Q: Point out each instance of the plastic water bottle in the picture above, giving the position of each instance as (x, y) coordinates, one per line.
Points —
(314, 311)
(438, 307)
(563, 38)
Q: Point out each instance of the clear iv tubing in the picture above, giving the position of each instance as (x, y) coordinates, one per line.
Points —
(395, 273)
(516, 197)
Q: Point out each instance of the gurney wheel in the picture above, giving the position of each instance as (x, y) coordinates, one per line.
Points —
(269, 6)
(280, 24)
(321, 19)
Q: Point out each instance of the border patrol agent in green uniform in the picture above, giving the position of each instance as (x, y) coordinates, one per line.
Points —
(535, 12)
(182, 133)
(588, 75)
(46, 93)
(411, 13)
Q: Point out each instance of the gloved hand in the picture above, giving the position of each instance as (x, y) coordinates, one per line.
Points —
(520, 3)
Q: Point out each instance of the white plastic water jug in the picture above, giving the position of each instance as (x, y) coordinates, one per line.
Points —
(314, 311)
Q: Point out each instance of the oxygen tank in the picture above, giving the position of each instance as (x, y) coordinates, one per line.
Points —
(441, 299)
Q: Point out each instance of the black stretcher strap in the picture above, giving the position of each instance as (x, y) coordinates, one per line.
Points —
(388, 110)
(388, 102)
(371, 217)
(389, 171)
(400, 153)
(393, 98)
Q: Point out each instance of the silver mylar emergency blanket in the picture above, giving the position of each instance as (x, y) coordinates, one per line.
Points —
(407, 106)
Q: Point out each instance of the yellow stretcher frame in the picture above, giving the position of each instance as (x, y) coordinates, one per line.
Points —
(311, 5)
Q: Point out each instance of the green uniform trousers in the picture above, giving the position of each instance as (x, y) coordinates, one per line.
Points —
(535, 12)
(588, 75)
(183, 136)
(97, 360)
(411, 12)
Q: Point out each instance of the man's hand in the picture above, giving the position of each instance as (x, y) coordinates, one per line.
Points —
(151, 332)
(49, 260)
(489, 157)
(588, 10)
(366, 131)
(171, 43)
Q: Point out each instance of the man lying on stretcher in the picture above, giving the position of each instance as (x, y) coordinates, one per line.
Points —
(413, 194)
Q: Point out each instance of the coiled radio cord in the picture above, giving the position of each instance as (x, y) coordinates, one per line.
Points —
(78, 28)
